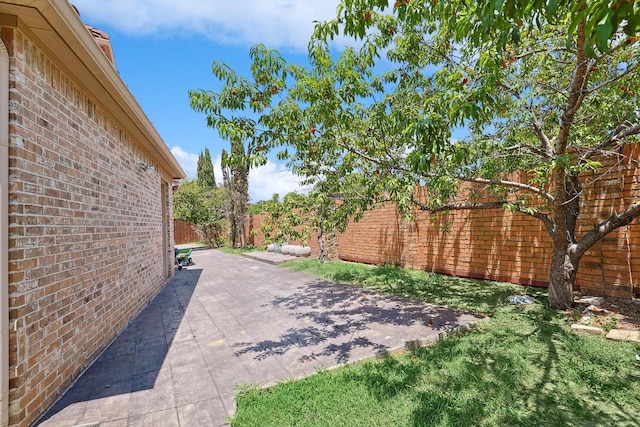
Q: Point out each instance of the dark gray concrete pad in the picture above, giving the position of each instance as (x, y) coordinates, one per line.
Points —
(226, 321)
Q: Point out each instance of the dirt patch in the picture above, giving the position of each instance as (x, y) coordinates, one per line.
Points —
(626, 312)
(613, 313)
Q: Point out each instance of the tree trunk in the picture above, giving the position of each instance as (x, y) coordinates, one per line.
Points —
(241, 209)
(230, 205)
(323, 254)
(240, 229)
(564, 269)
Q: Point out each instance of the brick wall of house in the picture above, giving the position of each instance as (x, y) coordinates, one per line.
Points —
(498, 245)
(86, 247)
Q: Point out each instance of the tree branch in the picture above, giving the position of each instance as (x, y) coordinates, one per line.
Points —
(618, 219)
(545, 150)
(458, 206)
(577, 91)
(617, 136)
(513, 184)
(628, 71)
(542, 136)
(546, 219)
(533, 150)
(537, 51)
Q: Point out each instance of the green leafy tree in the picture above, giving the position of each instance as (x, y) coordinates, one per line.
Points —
(235, 172)
(263, 205)
(256, 208)
(298, 215)
(285, 222)
(546, 90)
(247, 150)
(204, 208)
(501, 21)
(205, 173)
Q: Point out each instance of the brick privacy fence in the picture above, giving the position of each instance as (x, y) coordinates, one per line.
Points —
(499, 245)
(85, 227)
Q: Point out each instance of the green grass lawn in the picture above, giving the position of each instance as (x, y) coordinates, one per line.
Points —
(522, 368)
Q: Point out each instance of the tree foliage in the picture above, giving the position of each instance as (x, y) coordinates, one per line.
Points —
(285, 221)
(204, 208)
(551, 94)
(546, 90)
(264, 205)
(248, 146)
(501, 22)
(205, 173)
(297, 215)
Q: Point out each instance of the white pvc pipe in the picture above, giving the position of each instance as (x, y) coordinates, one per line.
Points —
(4, 235)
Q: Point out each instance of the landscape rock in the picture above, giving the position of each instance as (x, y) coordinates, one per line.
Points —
(594, 309)
(590, 300)
(593, 330)
(520, 299)
(586, 319)
(624, 335)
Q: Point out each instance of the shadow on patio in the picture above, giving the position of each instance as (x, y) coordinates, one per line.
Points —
(134, 359)
(340, 323)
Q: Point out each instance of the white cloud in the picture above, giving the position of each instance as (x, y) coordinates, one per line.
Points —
(275, 23)
(263, 181)
(217, 169)
(273, 178)
(188, 161)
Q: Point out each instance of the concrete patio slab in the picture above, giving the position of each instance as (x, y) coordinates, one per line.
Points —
(228, 320)
(624, 335)
(269, 257)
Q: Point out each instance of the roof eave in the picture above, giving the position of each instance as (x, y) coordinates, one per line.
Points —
(100, 78)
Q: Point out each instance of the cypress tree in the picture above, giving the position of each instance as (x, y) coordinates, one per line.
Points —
(205, 173)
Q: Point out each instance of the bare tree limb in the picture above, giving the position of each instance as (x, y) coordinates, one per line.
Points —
(513, 184)
(532, 149)
(546, 149)
(628, 71)
(546, 219)
(617, 137)
(458, 206)
(618, 219)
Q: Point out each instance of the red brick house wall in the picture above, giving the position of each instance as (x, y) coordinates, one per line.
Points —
(90, 235)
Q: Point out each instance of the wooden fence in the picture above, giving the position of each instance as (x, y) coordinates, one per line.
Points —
(184, 232)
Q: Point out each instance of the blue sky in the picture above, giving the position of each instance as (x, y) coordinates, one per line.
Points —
(163, 48)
